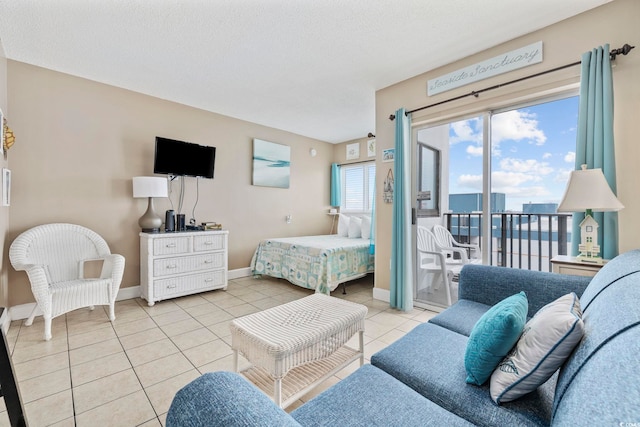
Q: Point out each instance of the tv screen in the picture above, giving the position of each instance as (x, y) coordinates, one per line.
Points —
(175, 157)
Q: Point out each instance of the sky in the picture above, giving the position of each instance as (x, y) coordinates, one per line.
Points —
(533, 151)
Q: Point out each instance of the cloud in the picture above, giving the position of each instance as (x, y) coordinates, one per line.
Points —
(570, 157)
(473, 182)
(516, 125)
(466, 131)
(562, 176)
(547, 156)
(529, 166)
(474, 150)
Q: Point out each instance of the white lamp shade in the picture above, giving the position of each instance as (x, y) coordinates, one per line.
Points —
(588, 189)
(149, 186)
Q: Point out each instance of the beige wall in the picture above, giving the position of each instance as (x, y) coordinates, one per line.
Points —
(4, 211)
(614, 23)
(79, 143)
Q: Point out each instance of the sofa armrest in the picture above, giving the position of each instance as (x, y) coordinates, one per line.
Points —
(490, 285)
(224, 399)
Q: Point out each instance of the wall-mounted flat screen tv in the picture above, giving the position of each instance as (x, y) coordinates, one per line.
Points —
(182, 158)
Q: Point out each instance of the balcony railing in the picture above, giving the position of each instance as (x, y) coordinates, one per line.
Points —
(518, 240)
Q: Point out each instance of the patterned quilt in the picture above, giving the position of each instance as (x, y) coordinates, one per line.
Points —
(314, 262)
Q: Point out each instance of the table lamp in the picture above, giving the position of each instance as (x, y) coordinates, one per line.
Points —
(588, 191)
(150, 186)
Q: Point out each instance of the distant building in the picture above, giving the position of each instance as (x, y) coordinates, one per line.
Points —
(472, 202)
(539, 208)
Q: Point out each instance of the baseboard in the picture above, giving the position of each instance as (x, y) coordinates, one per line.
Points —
(239, 272)
(382, 294)
(22, 311)
(128, 293)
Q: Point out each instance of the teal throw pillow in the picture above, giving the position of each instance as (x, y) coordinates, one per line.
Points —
(493, 336)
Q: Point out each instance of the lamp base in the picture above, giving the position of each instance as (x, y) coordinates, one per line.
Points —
(150, 230)
(150, 222)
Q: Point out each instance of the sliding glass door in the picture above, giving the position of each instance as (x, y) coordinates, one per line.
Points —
(494, 182)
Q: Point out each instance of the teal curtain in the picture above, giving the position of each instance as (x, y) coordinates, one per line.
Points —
(594, 142)
(372, 230)
(335, 185)
(401, 283)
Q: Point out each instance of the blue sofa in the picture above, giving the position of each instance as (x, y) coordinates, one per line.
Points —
(420, 379)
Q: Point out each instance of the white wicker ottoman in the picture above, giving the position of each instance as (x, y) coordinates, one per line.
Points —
(295, 346)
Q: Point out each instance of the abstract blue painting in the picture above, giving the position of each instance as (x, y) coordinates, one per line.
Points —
(271, 164)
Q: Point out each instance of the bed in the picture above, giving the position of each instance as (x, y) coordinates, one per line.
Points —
(314, 262)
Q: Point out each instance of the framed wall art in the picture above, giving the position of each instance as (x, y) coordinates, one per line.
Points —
(371, 148)
(353, 151)
(271, 164)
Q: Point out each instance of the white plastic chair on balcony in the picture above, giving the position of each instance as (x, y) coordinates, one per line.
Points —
(447, 244)
(54, 257)
(434, 261)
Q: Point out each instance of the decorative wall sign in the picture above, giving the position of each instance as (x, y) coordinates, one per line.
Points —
(271, 164)
(388, 155)
(371, 148)
(519, 58)
(353, 151)
(387, 191)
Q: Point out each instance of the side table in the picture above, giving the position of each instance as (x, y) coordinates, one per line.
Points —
(564, 264)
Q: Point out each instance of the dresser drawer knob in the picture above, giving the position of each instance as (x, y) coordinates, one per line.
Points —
(208, 242)
(208, 261)
(171, 245)
(172, 286)
(172, 266)
(208, 280)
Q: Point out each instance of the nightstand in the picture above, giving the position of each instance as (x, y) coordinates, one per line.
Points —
(564, 264)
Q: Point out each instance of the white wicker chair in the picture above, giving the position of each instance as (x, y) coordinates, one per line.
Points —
(53, 255)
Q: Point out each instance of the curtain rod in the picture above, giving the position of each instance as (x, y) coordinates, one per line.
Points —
(620, 51)
(355, 163)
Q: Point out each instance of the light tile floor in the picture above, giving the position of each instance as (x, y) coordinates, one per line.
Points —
(94, 373)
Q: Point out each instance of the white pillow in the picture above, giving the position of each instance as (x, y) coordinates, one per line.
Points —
(355, 227)
(546, 342)
(343, 225)
(366, 227)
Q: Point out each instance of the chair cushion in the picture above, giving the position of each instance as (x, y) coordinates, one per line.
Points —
(546, 342)
(371, 397)
(430, 360)
(493, 336)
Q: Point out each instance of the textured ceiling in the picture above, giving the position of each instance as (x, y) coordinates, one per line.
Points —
(306, 66)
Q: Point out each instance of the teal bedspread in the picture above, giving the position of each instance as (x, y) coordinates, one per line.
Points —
(314, 262)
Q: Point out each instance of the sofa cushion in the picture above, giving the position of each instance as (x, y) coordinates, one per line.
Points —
(430, 360)
(493, 336)
(489, 285)
(546, 342)
(606, 391)
(612, 310)
(461, 317)
(224, 399)
(371, 397)
(623, 265)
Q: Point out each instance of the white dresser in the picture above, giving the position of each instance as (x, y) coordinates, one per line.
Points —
(183, 263)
